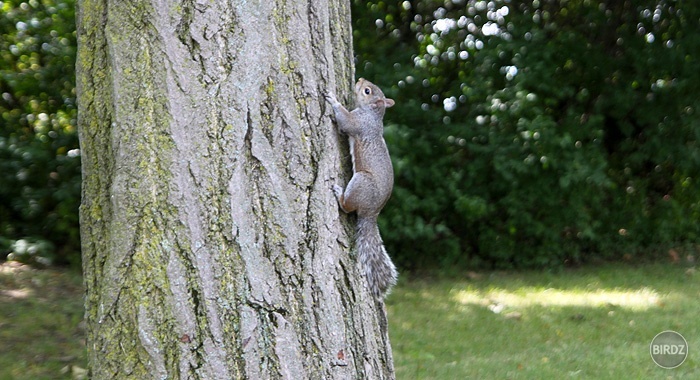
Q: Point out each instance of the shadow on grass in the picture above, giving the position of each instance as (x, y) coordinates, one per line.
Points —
(41, 331)
(591, 323)
(584, 323)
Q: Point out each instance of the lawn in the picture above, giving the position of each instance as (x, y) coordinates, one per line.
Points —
(590, 323)
(41, 330)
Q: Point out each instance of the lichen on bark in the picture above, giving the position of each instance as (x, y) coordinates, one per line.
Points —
(213, 247)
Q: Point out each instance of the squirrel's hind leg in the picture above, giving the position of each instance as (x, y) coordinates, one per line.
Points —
(338, 191)
(355, 197)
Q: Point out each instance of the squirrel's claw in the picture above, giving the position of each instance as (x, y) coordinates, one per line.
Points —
(337, 190)
(330, 97)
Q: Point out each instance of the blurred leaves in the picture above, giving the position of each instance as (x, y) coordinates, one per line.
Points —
(533, 133)
(39, 155)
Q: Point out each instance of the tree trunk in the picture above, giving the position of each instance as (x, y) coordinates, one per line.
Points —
(213, 247)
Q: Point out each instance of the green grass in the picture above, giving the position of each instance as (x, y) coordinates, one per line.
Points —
(591, 323)
(41, 335)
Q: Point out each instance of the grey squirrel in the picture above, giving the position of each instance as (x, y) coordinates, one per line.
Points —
(372, 180)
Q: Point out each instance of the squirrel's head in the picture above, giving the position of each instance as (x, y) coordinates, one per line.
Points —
(370, 96)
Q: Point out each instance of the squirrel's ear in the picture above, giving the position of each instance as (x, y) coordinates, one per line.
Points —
(388, 102)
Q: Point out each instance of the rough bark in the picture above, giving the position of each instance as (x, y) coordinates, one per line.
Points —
(212, 245)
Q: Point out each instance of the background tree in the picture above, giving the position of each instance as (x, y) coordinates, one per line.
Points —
(212, 244)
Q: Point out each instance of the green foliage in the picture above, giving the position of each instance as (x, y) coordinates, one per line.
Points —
(540, 133)
(39, 155)
(525, 134)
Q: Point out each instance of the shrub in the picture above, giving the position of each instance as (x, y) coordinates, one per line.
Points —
(39, 155)
(536, 134)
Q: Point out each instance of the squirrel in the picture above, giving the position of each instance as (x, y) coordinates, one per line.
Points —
(372, 180)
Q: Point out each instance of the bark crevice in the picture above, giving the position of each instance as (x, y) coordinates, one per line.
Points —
(213, 245)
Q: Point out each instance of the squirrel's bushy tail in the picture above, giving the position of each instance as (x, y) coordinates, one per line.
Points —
(380, 271)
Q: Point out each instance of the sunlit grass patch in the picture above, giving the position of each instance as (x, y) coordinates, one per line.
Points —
(592, 323)
(633, 299)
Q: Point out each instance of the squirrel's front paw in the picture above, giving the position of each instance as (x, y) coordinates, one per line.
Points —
(330, 97)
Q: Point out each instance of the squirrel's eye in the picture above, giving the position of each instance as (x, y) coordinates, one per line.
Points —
(368, 91)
